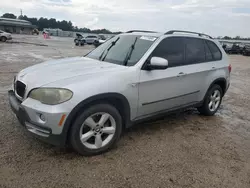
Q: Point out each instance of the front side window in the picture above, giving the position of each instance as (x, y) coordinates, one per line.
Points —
(123, 49)
(195, 51)
(172, 49)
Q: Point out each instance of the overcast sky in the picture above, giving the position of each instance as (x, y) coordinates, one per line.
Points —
(215, 17)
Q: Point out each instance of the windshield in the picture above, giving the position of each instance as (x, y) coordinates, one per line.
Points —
(117, 49)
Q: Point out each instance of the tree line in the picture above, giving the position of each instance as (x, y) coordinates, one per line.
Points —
(233, 38)
(42, 23)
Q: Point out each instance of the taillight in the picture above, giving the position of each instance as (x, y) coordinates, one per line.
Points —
(230, 68)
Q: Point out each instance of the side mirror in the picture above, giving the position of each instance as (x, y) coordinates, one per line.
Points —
(157, 63)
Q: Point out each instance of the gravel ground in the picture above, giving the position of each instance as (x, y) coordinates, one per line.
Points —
(181, 150)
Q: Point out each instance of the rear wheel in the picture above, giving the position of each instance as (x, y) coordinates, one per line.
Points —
(96, 130)
(212, 101)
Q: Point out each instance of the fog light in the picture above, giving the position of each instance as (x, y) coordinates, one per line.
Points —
(42, 117)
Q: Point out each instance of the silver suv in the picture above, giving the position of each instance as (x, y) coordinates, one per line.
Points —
(88, 101)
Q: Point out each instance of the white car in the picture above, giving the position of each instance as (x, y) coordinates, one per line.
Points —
(4, 36)
(90, 39)
(88, 101)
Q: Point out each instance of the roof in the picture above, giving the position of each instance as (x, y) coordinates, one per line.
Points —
(172, 33)
(15, 22)
(156, 34)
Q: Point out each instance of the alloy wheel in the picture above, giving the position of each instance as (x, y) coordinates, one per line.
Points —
(97, 130)
(215, 99)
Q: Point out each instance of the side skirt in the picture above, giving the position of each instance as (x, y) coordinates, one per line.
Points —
(162, 113)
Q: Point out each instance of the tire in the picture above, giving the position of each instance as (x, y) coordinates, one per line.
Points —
(207, 109)
(90, 144)
(76, 42)
(3, 39)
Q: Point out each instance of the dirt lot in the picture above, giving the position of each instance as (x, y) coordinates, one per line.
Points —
(181, 150)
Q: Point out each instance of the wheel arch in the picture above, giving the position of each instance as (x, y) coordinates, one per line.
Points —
(118, 100)
(3, 37)
(222, 82)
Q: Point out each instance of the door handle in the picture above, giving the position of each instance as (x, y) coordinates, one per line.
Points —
(213, 67)
(181, 74)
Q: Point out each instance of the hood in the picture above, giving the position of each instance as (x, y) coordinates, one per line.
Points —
(6, 33)
(55, 70)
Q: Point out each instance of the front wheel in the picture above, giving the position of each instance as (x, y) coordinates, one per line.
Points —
(3, 39)
(96, 130)
(212, 101)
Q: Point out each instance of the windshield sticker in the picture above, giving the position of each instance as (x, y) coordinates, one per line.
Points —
(148, 38)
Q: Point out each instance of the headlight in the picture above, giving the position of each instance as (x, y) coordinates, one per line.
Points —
(51, 96)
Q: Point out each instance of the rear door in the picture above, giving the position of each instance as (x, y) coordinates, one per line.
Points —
(199, 65)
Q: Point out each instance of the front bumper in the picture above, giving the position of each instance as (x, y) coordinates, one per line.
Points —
(42, 132)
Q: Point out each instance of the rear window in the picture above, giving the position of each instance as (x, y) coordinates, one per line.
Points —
(214, 50)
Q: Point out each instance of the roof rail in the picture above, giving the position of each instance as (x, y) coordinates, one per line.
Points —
(180, 31)
(132, 31)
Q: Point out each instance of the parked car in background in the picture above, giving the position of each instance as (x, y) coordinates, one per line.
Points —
(4, 36)
(90, 39)
(87, 102)
(35, 32)
(242, 46)
(233, 48)
(79, 40)
(246, 49)
(101, 39)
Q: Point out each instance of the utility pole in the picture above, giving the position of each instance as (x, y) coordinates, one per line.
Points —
(21, 12)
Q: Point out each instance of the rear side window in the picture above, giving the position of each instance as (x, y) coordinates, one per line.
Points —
(195, 51)
(214, 50)
(172, 49)
(209, 55)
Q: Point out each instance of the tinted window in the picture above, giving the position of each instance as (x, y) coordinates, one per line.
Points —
(91, 37)
(195, 51)
(171, 49)
(215, 50)
(209, 56)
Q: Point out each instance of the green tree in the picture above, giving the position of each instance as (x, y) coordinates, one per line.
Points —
(9, 15)
(227, 37)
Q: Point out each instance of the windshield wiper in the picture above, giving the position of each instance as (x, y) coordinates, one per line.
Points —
(107, 50)
(131, 49)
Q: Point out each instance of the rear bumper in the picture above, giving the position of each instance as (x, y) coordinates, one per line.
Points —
(41, 132)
